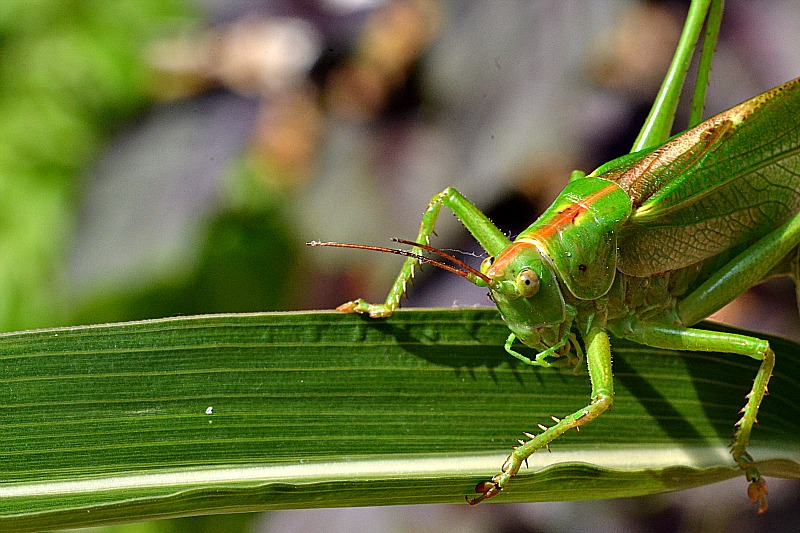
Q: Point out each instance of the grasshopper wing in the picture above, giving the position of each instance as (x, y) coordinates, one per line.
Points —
(715, 189)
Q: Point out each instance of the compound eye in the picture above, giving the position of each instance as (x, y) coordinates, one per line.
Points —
(486, 263)
(527, 283)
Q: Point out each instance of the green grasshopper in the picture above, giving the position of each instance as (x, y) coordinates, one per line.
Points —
(642, 248)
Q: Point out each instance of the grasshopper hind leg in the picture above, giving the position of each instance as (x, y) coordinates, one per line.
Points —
(681, 338)
(775, 254)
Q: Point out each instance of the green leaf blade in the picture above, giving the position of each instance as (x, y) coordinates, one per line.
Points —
(228, 413)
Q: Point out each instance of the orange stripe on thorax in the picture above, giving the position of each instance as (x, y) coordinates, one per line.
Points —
(568, 215)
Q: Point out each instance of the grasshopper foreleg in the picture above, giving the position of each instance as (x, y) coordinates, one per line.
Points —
(598, 358)
(486, 233)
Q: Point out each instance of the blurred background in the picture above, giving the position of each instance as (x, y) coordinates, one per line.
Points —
(172, 157)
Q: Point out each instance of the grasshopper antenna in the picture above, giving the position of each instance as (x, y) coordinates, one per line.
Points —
(440, 253)
(468, 273)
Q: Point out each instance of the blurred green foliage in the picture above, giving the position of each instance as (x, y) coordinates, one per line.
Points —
(71, 73)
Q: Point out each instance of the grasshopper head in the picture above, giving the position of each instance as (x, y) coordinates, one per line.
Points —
(525, 289)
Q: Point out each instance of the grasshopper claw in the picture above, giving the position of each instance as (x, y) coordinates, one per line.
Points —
(757, 492)
(365, 308)
(349, 307)
(486, 489)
